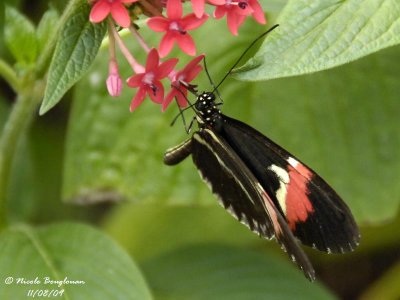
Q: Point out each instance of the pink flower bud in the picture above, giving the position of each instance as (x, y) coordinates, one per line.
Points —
(114, 82)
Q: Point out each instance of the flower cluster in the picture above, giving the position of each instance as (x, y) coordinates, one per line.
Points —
(165, 16)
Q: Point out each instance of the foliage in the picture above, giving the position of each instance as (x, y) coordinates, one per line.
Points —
(319, 35)
(60, 253)
(77, 47)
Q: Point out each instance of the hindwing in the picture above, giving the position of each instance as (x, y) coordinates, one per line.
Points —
(313, 210)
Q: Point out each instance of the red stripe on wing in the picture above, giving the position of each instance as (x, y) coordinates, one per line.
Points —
(298, 206)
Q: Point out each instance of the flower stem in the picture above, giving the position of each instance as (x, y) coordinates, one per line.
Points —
(111, 39)
(20, 116)
(150, 8)
(8, 74)
(137, 68)
(139, 38)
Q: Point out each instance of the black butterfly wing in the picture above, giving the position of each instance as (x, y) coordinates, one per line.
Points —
(314, 212)
(242, 194)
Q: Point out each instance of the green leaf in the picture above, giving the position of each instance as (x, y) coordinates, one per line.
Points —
(20, 36)
(222, 272)
(317, 35)
(342, 122)
(72, 251)
(46, 28)
(76, 49)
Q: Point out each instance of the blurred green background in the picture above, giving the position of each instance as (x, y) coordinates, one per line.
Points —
(89, 149)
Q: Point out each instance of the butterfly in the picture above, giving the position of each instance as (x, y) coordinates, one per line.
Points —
(265, 187)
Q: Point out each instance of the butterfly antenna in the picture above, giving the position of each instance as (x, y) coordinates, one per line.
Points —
(181, 111)
(210, 79)
(243, 54)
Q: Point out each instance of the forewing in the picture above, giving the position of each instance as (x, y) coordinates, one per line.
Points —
(241, 193)
(314, 212)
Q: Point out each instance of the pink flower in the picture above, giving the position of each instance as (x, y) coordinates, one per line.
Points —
(180, 83)
(114, 82)
(149, 81)
(102, 8)
(237, 11)
(176, 28)
(198, 6)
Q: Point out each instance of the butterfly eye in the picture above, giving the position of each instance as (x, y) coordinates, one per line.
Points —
(201, 104)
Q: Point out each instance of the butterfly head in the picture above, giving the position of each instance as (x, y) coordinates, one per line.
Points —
(208, 112)
(206, 100)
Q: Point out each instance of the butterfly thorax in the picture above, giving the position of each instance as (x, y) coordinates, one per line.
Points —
(208, 113)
